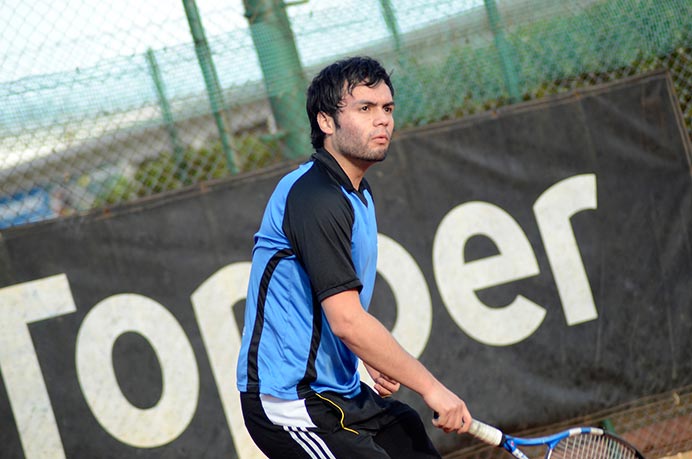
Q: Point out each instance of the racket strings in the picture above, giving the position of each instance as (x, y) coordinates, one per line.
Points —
(591, 446)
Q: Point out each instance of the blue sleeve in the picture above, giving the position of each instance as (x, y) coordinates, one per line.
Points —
(318, 222)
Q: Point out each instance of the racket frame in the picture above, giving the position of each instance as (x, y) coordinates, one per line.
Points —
(494, 436)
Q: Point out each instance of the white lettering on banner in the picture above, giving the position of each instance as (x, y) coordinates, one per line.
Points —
(21, 305)
(411, 297)
(105, 322)
(213, 301)
(553, 210)
(458, 280)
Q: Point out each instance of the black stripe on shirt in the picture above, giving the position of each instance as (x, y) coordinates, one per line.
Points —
(310, 375)
(252, 364)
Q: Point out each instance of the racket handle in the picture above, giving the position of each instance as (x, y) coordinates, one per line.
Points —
(485, 433)
(482, 431)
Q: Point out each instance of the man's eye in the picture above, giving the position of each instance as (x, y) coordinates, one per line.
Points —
(364, 108)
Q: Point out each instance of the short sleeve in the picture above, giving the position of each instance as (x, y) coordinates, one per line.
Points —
(318, 223)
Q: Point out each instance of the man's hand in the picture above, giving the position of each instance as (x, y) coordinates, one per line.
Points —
(451, 413)
(384, 385)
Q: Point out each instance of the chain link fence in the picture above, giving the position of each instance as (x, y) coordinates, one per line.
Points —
(103, 102)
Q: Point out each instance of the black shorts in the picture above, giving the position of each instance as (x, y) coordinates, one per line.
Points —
(328, 426)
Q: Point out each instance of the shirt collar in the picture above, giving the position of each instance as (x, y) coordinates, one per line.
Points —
(327, 160)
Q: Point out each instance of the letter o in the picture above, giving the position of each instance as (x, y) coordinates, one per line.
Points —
(411, 294)
(414, 306)
(143, 428)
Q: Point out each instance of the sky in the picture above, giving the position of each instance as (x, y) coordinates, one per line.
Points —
(48, 36)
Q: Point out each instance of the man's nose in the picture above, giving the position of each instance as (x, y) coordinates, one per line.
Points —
(383, 117)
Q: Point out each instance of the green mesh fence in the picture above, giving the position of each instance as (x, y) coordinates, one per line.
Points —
(107, 101)
(104, 102)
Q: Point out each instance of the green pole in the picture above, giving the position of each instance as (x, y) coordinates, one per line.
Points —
(178, 152)
(392, 24)
(283, 74)
(608, 426)
(211, 80)
(509, 69)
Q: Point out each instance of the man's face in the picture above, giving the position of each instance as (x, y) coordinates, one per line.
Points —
(365, 123)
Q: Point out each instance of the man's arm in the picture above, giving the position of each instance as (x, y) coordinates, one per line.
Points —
(375, 345)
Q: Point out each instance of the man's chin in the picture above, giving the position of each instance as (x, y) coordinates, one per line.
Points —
(374, 158)
(379, 158)
(369, 157)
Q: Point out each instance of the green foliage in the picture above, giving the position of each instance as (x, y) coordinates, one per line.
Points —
(117, 190)
(165, 172)
(602, 42)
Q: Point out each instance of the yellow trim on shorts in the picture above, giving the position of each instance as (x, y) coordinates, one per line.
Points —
(343, 415)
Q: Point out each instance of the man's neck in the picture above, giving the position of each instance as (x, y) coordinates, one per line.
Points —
(354, 168)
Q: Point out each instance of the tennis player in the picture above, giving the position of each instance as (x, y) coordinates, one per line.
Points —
(313, 273)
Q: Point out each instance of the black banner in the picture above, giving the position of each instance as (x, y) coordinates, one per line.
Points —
(537, 259)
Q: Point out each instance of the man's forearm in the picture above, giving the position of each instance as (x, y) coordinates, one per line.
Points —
(375, 345)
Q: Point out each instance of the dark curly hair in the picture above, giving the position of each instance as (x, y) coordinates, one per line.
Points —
(326, 91)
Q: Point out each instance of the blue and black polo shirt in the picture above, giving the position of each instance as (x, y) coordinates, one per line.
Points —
(318, 237)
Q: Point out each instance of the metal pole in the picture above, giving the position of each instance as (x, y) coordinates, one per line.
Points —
(211, 80)
(178, 151)
(282, 70)
(509, 68)
(392, 24)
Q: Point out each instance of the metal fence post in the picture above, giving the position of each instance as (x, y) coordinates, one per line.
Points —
(509, 68)
(178, 151)
(211, 80)
(282, 70)
(392, 24)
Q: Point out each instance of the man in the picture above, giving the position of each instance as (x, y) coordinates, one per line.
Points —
(313, 273)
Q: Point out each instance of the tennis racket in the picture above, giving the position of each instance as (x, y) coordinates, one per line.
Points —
(576, 443)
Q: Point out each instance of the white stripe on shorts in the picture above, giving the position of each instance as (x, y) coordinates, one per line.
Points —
(293, 416)
(286, 412)
(310, 442)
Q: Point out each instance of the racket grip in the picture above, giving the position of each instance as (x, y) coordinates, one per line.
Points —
(485, 433)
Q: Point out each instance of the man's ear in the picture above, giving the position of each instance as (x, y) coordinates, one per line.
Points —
(326, 123)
